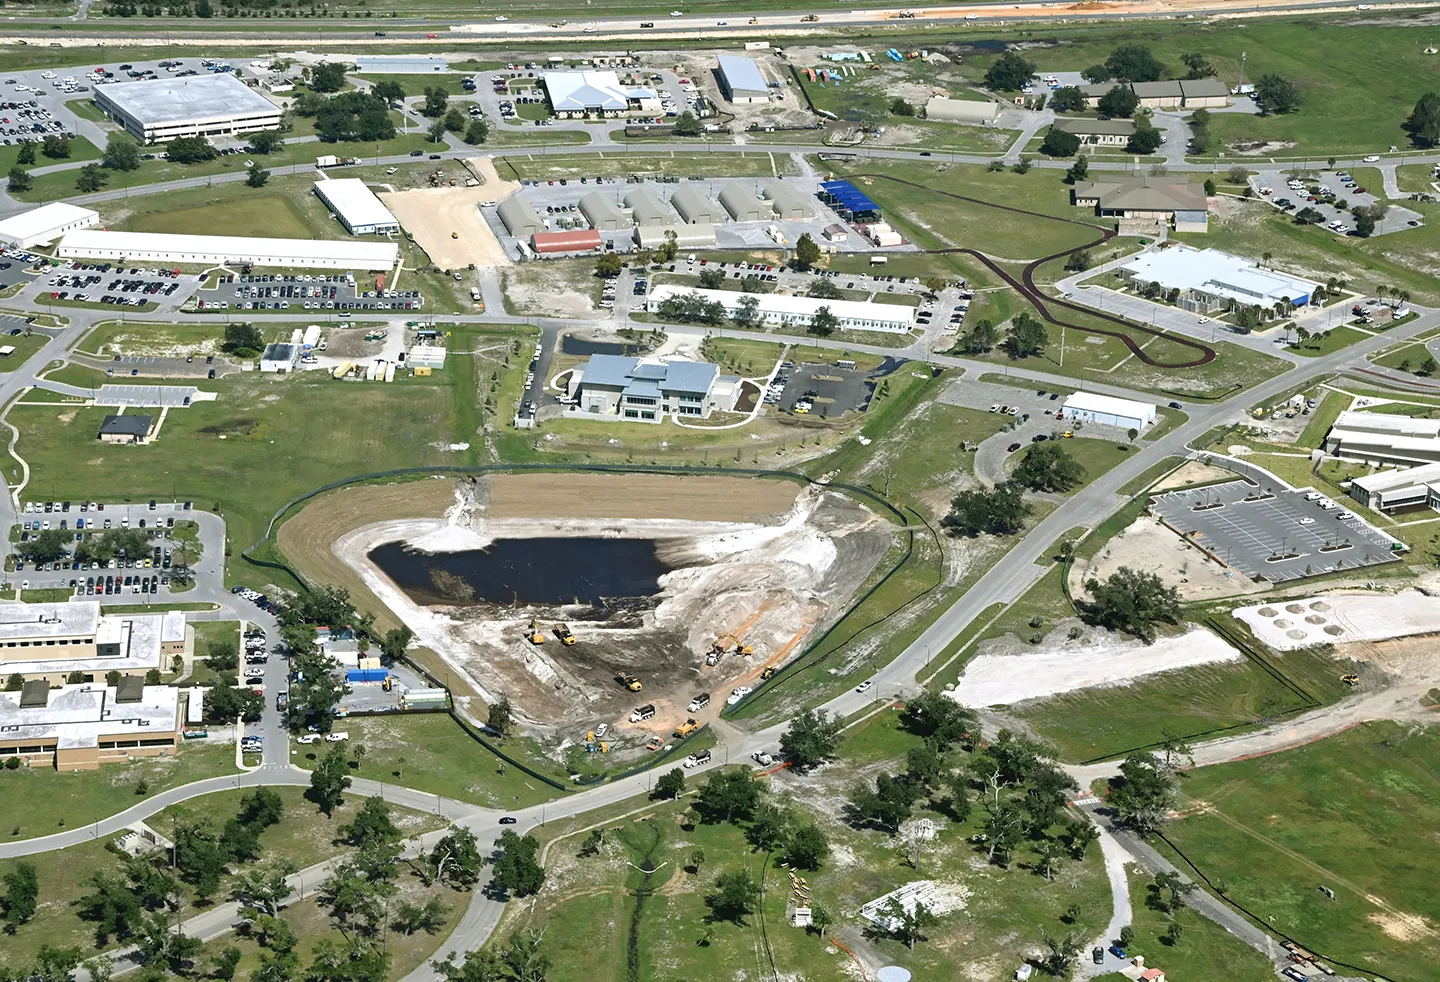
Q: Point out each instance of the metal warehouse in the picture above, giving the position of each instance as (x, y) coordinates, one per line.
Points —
(696, 236)
(798, 311)
(520, 217)
(1127, 414)
(602, 213)
(744, 206)
(577, 240)
(356, 206)
(741, 81)
(849, 201)
(401, 64)
(646, 209)
(166, 247)
(160, 110)
(43, 225)
(961, 110)
(788, 202)
(695, 208)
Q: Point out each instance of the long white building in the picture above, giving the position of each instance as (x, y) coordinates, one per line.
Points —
(159, 110)
(1383, 439)
(853, 315)
(43, 225)
(166, 247)
(357, 207)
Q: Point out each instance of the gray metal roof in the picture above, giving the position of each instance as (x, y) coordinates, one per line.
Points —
(742, 74)
(644, 387)
(695, 207)
(602, 212)
(608, 370)
(649, 378)
(689, 376)
(178, 100)
(1202, 88)
(1104, 127)
(1155, 90)
(126, 425)
(739, 201)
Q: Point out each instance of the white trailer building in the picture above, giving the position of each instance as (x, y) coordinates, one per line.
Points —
(43, 225)
(1127, 414)
(166, 247)
(159, 110)
(858, 315)
(356, 206)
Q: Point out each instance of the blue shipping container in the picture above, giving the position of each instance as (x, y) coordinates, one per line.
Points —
(366, 675)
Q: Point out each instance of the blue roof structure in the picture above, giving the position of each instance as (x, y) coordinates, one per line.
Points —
(846, 196)
(608, 370)
(690, 376)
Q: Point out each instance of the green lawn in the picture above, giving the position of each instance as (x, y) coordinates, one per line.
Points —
(61, 184)
(1330, 342)
(1339, 813)
(63, 877)
(1322, 417)
(263, 215)
(1096, 456)
(433, 754)
(25, 345)
(81, 149)
(676, 164)
(39, 802)
(1205, 949)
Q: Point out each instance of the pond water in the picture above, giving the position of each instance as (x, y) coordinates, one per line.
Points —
(548, 572)
(577, 346)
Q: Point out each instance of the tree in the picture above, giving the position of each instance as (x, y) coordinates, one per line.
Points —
(328, 76)
(481, 965)
(670, 785)
(1423, 122)
(1067, 99)
(26, 155)
(390, 90)
(500, 717)
(1364, 224)
(1078, 261)
(428, 917)
(710, 279)
(821, 288)
(56, 146)
(1309, 216)
(806, 846)
(981, 338)
(1095, 74)
(1026, 337)
(734, 896)
(524, 959)
(262, 888)
(437, 100)
(999, 511)
(1048, 467)
(885, 805)
(1009, 73)
(455, 859)
(1209, 187)
(1277, 94)
(1145, 139)
(477, 132)
(189, 150)
(112, 906)
(1196, 66)
(45, 547)
(609, 265)
(1078, 171)
(243, 340)
(22, 895)
(1119, 102)
(941, 721)
(454, 119)
(901, 107)
(812, 739)
(729, 795)
(122, 152)
(227, 959)
(687, 124)
(1168, 891)
(91, 177)
(1173, 933)
(1143, 794)
(1134, 63)
(395, 641)
(907, 924)
(350, 116)
(747, 310)
(1133, 601)
(371, 825)
(266, 141)
(18, 179)
(1059, 143)
(820, 918)
(697, 859)
(1063, 951)
(329, 780)
(435, 133)
(823, 322)
(53, 964)
(768, 827)
(257, 178)
(807, 253)
(517, 871)
(162, 942)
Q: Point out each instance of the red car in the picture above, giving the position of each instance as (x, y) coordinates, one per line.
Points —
(1012, 448)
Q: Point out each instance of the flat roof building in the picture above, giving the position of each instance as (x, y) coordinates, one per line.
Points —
(628, 388)
(401, 64)
(787, 201)
(357, 207)
(520, 217)
(43, 225)
(279, 358)
(126, 428)
(168, 247)
(1126, 414)
(1406, 487)
(743, 206)
(1380, 438)
(646, 209)
(586, 92)
(741, 80)
(961, 110)
(1209, 279)
(48, 641)
(79, 727)
(798, 311)
(696, 208)
(1146, 204)
(159, 110)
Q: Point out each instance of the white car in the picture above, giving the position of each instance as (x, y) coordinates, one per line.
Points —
(1204, 320)
(865, 686)
(308, 738)
(1372, 159)
(739, 694)
(601, 730)
(501, 18)
(676, 13)
(1307, 521)
(337, 737)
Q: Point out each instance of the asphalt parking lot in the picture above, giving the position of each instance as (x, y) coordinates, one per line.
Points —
(982, 395)
(370, 697)
(321, 292)
(1277, 535)
(1396, 219)
(154, 367)
(833, 391)
(144, 396)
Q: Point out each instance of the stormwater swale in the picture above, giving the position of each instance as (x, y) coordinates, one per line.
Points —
(579, 346)
(543, 571)
(644, 841)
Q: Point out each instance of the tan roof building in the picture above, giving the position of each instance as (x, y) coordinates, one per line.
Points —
(79, 727)
(1099, 132)
(961, 110)
(1204, 93)
(1141, 204)
(1158, 95)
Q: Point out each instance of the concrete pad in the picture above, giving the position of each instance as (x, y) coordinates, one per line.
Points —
(1290, 624)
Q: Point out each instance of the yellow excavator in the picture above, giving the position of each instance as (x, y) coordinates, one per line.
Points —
(536, 636)
(1351, 679)
(562, 631)
(726, 643)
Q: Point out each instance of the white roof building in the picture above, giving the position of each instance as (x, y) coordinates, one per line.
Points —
(1091, 407)
(1218, 274)
(587, 91)
(860, 315)
(43, 225)
(159, 110)
(167, 247)
(741, 80)
(961, 110)
(356, 206)
(51, 640)
(1400, 488)
(1384, 439)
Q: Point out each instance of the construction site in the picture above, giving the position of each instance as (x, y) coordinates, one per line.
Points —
(638, 602)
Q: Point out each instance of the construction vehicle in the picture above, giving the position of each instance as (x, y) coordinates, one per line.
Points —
(1350, 679)
(642, 713)
(754, 20)
(389, 683)
(724, 644)
(686, 728)
(536, 636)
(562, 631)
(655, 744)
(767, 672)
(629, 681)
(698, 703)
(809, 19)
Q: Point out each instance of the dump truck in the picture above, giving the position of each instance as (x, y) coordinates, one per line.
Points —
(562, 631)
(629, 681)
(698, 703)
(686, 728)
(536, 636)
(643, 713)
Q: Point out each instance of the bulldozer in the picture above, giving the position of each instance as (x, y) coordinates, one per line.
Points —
(629, 681)
(1351, 679)
(767, 672)
(536, 636)
(562, 631)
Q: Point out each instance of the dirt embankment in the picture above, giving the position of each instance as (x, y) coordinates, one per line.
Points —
(704, 499)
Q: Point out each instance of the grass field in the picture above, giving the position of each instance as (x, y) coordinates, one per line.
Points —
(1330, 342)
(262, 215)
(623, 164)
(433, 754)
(25, 345)
(1340, 813)
(38, 801)
(81, 149)
(1205, 950)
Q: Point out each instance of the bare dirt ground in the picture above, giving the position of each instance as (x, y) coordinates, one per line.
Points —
(711, 499)
(431, 215)
(1192, 472)
(1148, 546)
(769, 579)
(552, 289)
